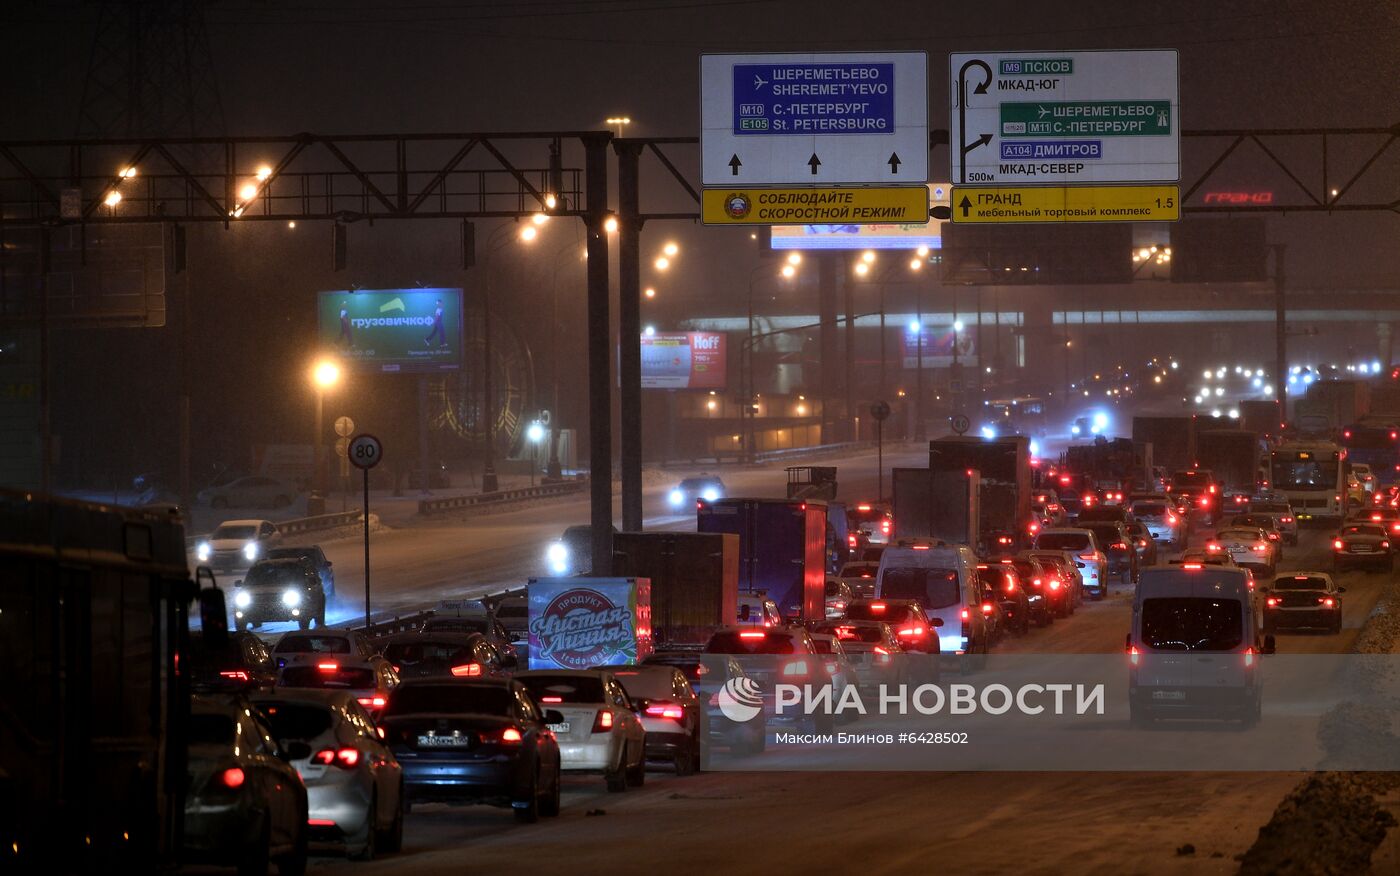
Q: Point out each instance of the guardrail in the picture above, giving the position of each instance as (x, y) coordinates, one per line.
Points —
(300, 525)
(478, 500)
(813, 450)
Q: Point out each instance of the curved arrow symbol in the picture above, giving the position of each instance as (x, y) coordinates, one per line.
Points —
(980, 88)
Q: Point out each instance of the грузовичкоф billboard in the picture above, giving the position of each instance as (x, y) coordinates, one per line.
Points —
(393, 329)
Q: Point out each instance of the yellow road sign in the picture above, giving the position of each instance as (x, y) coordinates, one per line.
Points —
(824, 205)
(1007, 204)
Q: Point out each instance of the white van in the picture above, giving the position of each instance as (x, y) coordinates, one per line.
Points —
(1195, 646)
(944, 580)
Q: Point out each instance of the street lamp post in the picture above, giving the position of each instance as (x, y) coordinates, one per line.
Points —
(746, 413)
(554, 471)
(325, 374)
(489, 481)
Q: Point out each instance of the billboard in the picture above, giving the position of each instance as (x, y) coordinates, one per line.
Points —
(393, 329)
(937, 346)
(894, 236)
(683, 360)
(583, 623)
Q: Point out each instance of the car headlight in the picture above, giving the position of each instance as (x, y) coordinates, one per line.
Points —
(676, 497)
(291, 598)
(710, 495)
(558, 558)
(242, 598)
(203, 551)
(250, 550)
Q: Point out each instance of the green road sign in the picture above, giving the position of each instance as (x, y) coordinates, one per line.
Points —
(1098, 118)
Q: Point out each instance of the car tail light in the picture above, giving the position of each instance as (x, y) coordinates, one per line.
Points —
(1191, 567)
(1260, 548)
(966, 615)
(1010, 585)
(1054, 583)
(1287, 519)
(375, 702)
(862, 507)
(328, 667)
(1205, 502)
(1273, 536)
(676, 713)
(234, 674)
(1211, 488)
(603, 722)
(839, 605)
(851, 539)
(1328, 602)
(1089, 557)
(986, 608)
(919, 631)
(467, 670)
(1133, 655)
(752, 634)
(1213, 547)
(551, 699)
(1271, 602)
(1338, 544)
(1375, 517)
(1036, 582)
(885, 527)
(1249, 656)
(510, 736)
(320, 822)
(1385, 544)
(882, 656)
(1003, 539)
(345, 758)
(232, 777)
(877, 607)
(920, 547)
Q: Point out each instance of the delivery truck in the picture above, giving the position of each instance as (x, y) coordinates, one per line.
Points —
(694, 580)
(937, 505)
(1232, 455)
(1004, 467)
(783, 549)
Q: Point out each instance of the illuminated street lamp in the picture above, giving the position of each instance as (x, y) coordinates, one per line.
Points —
(671, 249)
(610, 225)
(325, 376)
(618, 122)
(794, 258)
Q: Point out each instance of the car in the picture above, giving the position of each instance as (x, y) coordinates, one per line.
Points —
(1083, 546)
(1102, 513)
(684, 495)
(598, 730)
(446, 655)
(370, 682)
(771, 655)
(1049, 514)
(672, 714)
(254, 491)
(838, 665)
(871, 648)
(756, 609)
(354, 785)
(245, 805)
(1071, 505)
(1161, 520)
(1303, 599)
(1247, 546)
(237, 544)
(1267, 522)
(572, 553)
(943, 580)
(1362, 544)
(1065, 567)
(1202, 557)
(475, 740)
(512, 612)
(1001, 585)
(1194, 646)
(471, 616)
(241, 664)
(1122, 555)
(860, 577)
(838, 595)
(912, 627)
(1282, 514)
(309, 647)
(277, 591)
(317, 558)
(1143, 543)
(873, 520)
(708, 674)
(871, 553)
(1047, 598)
(1364, 476)
(1387, 518)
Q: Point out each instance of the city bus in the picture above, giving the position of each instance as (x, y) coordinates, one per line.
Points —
(1313, 476)
(94, 615)
(1376, 445)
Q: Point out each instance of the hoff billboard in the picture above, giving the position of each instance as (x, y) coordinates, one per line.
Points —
(393, 329)
(684, 360)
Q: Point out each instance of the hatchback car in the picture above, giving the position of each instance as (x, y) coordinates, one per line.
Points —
(708, 674)
(479, 740)
(237, 544)
(1362, 544)
(313, 554)
(277, 591)
(1085, 549)
(370, 682)
(446, 655)
(912, 627)
(598, 731)
(1161, 520)
(1282, 514)
(1247, 546)
(860, 577)
(690, 490)
(672, 715)
(1303, 599)
(354, 785)
(1268, 523)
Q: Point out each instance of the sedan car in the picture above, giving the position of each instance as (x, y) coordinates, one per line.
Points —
(312, 554)
(708, 674)
(1388, 518)
(777, 654)
(860, 577)
(245, 805)
(237, 544)
(1268, 523)
(254, 491)
(242, 664)
(354, 785)
(598, 731)
(1282, 514)
(483, 623)
(672, 715)
(684, 495)
(276, 591)
(1002, 586)
(871, 648)
(1362, 544)
(912, 627)
(1303, 599)
(1247, 546)
(446, 655)
(838, 596)
(479, 740)
(313, 647)
(369, 682)
(1162, 522)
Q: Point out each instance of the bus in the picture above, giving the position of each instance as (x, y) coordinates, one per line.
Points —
(1313, 477)
(94, 615)
(1022, 415)
(1376, 445)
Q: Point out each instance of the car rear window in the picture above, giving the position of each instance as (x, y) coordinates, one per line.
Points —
(853, 633)
(313, 645)
(410, 653)
(512, 611)
(296, 720)
(451, 699)
(859, 570)
(1363, 530)
(552, 690)
(1062, 541)
(879, 611)
(1150, 509)
(211, 729)
(750, 642)
(1105, 534)
(934, 588)
(1300, 582)
(456, 625)
(340, 678)
(650, 684)
(235, 532)
(1192, 624)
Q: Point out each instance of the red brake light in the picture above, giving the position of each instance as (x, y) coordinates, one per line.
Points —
(879, 650)
(232, 777)
(851, 539)
(345, 758)
(234, 674)
(1171, 519)
(1118, 546)
(1191, 566)
(1328, 602)
(1249, 656)
(467, 670)
(966, 615)
(604, 721)
(1054, 584)
(920, 547)
(1338, 544)
(676, 713)
(751, 634)
(328, 667)
(1271, 602)
(1133, 654)
(885, 526)
(919, 631)
(373, 702)
(1213, 547)
(862, 507)
(986, 608)
(877, 607)
(510, 735)
(551, 699)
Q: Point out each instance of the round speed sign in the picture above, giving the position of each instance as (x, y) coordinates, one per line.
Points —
(365, 451)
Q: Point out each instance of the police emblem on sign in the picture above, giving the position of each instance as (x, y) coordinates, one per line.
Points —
(737, 205)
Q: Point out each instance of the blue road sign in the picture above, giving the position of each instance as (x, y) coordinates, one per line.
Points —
(814, 98)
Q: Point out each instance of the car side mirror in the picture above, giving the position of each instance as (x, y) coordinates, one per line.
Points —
(936, 622)
(1341, 590)
(297, 750)
(553, 716)
(1270, 646)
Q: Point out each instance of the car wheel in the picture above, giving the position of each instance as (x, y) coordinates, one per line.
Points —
(365, 851)
(549, 806)
(218, 502)
(253, 858)
(616, 779)
(391, 840)
(637, 775)
(1337, 624)
(687, 758)
(527, 811)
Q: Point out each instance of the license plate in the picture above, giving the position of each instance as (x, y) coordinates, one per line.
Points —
(444, 741)
(559, 728)
(1360, 549)
(1169, 695)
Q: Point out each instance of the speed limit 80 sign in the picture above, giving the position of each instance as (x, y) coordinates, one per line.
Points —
(365, 451)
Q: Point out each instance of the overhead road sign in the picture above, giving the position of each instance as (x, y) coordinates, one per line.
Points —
(814, 119)
(1022, 204)
(1057, 118)
(850, 235)
(826, 205)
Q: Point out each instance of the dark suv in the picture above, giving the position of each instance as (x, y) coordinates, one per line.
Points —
(279, 590)
(1118, 545)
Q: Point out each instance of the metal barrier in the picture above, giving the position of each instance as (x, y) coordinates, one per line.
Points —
(320, 521)
(813, 450)
(478, 500)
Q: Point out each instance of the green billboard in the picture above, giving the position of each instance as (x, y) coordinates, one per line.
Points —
(393, 329)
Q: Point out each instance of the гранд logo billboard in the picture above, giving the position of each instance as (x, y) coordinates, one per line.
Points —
(740, 699)
(582, 628)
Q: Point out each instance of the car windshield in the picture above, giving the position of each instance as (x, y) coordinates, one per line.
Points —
(452, 699)
(1237, 535)
(1106, 534)
(1150, 509)
(296, 720)
(269, 574)
(210, 729)
(935, 588)
(751, 642)
(235, 532)
(317, 676)
(691, 485)
(313, 645)
(411, 653)
(1363, 530)
(568, 689)
(1300, 582)
(1062, 541)
(853, 633)
(1192, 624)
